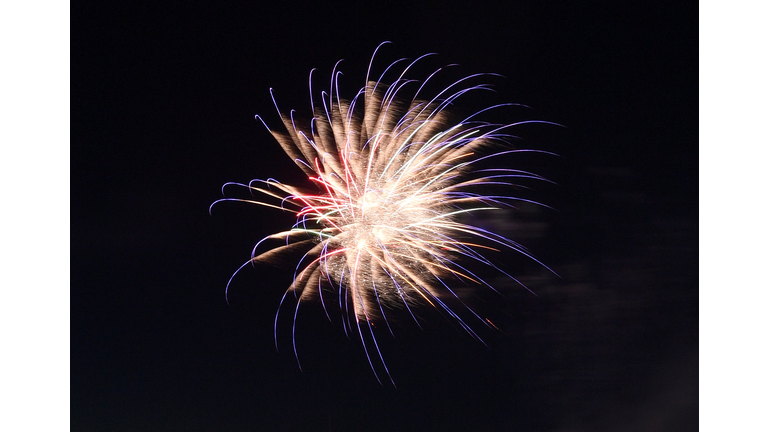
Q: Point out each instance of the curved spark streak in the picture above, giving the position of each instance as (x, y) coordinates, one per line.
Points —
(393, 175)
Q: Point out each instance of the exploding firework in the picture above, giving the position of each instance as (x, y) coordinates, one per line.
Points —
(383, 230)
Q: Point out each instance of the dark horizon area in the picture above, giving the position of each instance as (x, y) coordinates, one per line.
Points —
(162, 108)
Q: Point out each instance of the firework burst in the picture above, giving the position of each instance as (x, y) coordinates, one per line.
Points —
(383, 231)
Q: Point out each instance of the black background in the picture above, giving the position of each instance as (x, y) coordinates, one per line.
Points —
(163, 99)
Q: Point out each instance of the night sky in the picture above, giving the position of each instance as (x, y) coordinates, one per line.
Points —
(162, 115)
